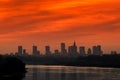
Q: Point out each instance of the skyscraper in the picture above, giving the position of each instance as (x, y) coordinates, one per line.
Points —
(94, 50)
(82, 51)
(89, 52)
(97, 50)
(20, 50)
(72, 50)
(56, 52)
(47, 50)
(34, 50)
(24, 51)
(63, 50)
(113, 52)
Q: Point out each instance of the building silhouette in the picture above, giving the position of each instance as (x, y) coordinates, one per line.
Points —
(56, 52)
(25, 52)
(72, 50)
(82, 51)
(69, 50)
(35, 51)
(97, 50)
(113, 52)
(75, 48)
(89, 52)
(47, 50)
(63, 49)
(20, 50)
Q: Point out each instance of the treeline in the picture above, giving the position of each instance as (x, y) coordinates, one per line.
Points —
(11, 66)
(88, 61)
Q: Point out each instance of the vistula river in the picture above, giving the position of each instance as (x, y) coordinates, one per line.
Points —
(39, 72)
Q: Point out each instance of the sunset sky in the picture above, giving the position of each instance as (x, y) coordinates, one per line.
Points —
(50, 22)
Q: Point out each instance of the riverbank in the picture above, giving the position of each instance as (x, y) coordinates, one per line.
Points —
(112, 61)
(11, 66)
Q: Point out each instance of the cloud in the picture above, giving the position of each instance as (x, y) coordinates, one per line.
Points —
(29, 17)
(103, 27)
(53, 21)
(30, 22)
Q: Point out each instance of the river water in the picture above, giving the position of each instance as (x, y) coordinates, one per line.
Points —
(37, 72)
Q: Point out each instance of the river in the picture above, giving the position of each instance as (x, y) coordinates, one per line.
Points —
(37, 72)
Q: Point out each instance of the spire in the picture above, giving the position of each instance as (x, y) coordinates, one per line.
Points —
(74, 43)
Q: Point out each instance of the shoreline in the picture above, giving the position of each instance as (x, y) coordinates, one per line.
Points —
(72, 66)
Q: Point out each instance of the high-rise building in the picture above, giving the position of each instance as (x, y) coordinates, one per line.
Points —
(97, 50)
(24, 51)
(63, 50)
(38, 53)
(20, 50)
(89, 52)
(72, 50)
(94, 50)
(113, 52)
(47, 50)
(82, 51)
(34, 50)
(56, 52)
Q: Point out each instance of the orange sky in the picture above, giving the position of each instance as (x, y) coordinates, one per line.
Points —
(50, 22)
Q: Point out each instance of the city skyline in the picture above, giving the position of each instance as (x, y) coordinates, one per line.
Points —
(48, 22)
(72, 49)
(61, 47)
(60, 39)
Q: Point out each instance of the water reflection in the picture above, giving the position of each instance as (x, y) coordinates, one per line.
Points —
(35, 73)
(71, 73)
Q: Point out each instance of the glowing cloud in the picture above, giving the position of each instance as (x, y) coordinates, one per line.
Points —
(28, 21)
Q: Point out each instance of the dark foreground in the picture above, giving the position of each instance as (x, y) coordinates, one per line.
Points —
(11, 68)
(88, 61)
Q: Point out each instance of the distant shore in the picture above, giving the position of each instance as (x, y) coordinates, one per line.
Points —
(108, 61)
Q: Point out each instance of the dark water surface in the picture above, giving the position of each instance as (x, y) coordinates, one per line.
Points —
(36, 72)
